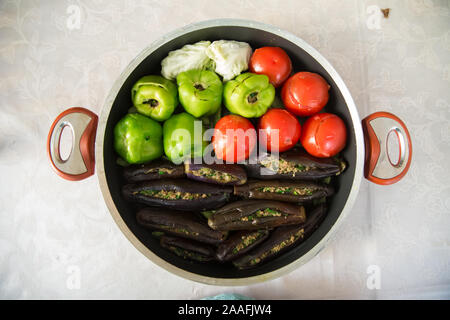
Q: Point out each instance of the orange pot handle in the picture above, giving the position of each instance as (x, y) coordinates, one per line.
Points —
(378, 167)
(81, 161)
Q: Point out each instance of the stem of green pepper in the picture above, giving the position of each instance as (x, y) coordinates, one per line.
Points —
(198, 86)
(252, 97)
(152, 102)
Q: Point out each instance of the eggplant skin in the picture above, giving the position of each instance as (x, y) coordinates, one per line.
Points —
(282, 239)
(223, 174)
(256, 214)
(295, 164)
(154, 170)
(199, 196)
(239, 243)
(181, 224)
(188, 249)
(283, 190)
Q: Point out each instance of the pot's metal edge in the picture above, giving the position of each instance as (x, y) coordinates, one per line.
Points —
(226, 281)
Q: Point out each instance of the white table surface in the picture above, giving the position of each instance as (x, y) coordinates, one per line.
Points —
(57, 238)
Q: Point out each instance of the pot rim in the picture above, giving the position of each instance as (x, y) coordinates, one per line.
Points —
(359, 164)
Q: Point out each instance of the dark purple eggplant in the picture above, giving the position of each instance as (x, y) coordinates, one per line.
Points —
(155, 170)
(284, 190)
(256, 214)
(178, 194)
(295, 164)
(281, 239)
(188, 249)
(239, 243)
(181, 224)
(223, 174)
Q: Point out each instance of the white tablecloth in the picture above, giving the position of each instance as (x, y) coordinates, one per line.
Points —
(57, 238)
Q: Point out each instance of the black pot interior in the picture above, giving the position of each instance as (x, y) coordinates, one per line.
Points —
(301, 61)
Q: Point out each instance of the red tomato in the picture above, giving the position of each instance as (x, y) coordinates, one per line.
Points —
(234, 138)
(305, 93)
(324, 135)
(273, 62)
(281, 130)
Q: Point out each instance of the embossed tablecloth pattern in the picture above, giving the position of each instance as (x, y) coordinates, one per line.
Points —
(58, 240)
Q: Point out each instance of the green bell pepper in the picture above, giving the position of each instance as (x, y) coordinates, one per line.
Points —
(155, 97)
(249, 95)
(183, 137)
(138, 139)
(200, 92)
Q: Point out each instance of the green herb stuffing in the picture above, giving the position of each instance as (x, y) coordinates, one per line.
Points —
(263, 213)
(215, 175)
(289, 190)
(179, 230)
(247, 241)
(282, 166)
(160, 171)
(186, 254)
(274, 250)
(173, 195)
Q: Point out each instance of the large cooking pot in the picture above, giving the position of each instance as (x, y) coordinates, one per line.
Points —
(366, 150)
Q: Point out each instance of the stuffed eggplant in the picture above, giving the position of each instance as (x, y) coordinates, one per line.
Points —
(239, 243)
(188, 249)
(178, 194)
(281, 239)
(223, 174)
(181, 224)
(256, 214)
(154, 170)
(294, 164)
(283, 190)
